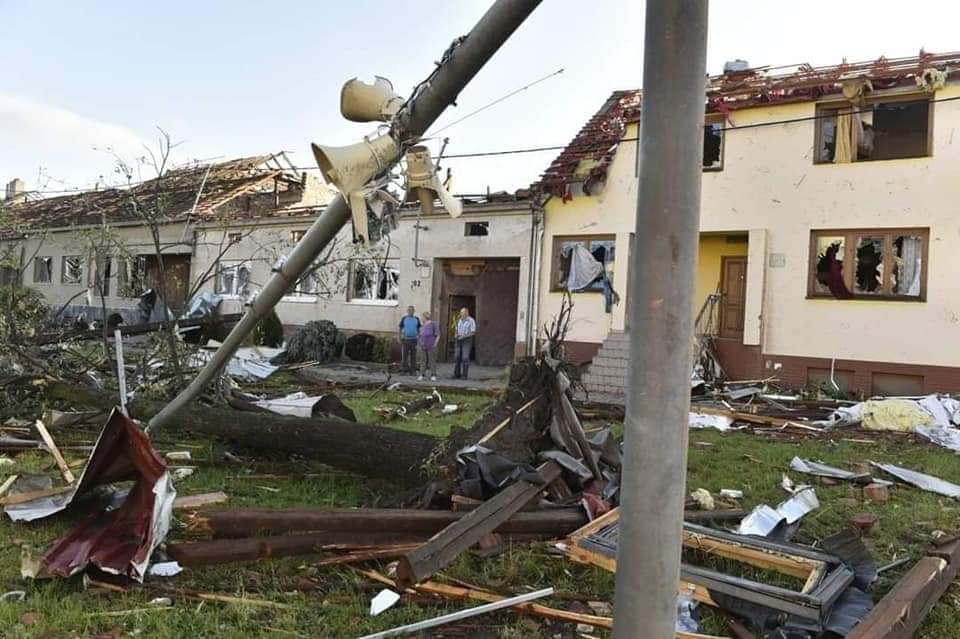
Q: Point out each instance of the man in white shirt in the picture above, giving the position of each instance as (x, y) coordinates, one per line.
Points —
(466, 330)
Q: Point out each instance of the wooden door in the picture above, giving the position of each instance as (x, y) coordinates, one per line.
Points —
(733, 295)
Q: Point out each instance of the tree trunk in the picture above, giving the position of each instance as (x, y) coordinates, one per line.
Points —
(372, 451)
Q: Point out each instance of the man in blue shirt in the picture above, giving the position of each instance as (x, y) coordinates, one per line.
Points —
(466, 330)
(409, 331)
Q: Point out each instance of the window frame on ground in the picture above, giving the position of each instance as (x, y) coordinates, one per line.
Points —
(43, 269)
(71, 270)
(556, 261)
(882, 283)
(379, 292)
(717, 123)
(237, 266)
(870, 109)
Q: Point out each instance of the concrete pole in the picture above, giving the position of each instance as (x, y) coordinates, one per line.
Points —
(441, 90)
(663, 267)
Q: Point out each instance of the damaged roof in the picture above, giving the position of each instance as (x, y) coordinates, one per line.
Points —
(587, 157)
(174, 196)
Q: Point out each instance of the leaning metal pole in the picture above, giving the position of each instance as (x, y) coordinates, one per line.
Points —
(661, 320)
(422, 110)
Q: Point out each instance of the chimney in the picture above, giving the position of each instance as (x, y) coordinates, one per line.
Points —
(735, 66)
(16, 191)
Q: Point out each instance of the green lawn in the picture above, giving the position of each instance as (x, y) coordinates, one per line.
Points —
(336, 602)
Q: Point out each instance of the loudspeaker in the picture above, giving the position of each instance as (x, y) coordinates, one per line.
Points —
(362, 102)
(349, 168)
(422, 183)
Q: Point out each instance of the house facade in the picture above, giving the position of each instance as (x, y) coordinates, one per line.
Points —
(828, 227)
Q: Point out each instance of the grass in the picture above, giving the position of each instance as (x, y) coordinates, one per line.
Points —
(336, 604)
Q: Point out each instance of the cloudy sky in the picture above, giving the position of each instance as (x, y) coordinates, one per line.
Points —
(84, 80)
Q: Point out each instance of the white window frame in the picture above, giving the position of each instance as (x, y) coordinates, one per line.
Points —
(78, 279)
(237, 266)
(390, 264)
(46, 259)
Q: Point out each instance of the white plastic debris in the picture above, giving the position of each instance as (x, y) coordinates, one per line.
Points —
(450, 408)
(920, 480)
(703, 498)
(297, 404)
(179, 455)
(165, 569)
(702, 420)
(685, 620)
(730, 493)
(160, 602)
(181, 473)
(14, 595)
(384, 600)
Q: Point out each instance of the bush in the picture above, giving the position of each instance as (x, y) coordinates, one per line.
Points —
(317, 341)
(23, 313)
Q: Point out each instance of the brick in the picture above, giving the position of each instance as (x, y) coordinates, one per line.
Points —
(876, 492)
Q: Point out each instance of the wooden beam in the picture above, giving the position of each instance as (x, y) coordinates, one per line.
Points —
(196, 501)
(444, 547)
(903, 609)
(496, 429)
(55, 452)
(22, 498)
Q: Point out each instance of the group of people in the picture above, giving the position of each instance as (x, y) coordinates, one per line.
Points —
(425, 334)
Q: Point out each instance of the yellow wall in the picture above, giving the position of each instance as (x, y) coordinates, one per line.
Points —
(712, 249)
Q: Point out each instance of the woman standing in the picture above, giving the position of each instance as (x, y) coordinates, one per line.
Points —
(429, 336)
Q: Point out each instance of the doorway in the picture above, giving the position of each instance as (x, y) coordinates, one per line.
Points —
(454, 304)
(733, 295)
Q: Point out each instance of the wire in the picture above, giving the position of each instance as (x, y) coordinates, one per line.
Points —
(537, 149)
(495, 102)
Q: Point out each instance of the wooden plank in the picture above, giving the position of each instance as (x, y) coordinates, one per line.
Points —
(196, 501)
(389, 552)
(55, 452)
(903, 609)
(496, 429)
(444, 547)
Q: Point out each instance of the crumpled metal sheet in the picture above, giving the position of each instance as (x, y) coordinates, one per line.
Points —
(823, 470)
(120, 540)
(945, 436)
(297, 404)
(921, 480)
(202, 305)
(848, 546)
(763, 519)
(702, 420)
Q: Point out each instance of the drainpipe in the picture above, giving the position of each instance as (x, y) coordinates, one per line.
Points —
(532, 268)
(660, 298)
(432, 98)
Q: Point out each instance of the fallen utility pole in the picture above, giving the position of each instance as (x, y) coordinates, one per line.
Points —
(465, 58)
(661, 320)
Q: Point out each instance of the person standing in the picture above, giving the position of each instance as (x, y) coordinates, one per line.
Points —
(409, 331)
(466, 330)
(429, 336)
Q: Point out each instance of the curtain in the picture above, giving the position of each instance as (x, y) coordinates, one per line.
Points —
(909, 280)
(848, 136)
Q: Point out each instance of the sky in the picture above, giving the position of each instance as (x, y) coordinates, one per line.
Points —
(85, 81)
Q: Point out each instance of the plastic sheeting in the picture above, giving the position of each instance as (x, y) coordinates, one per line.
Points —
(584, 268)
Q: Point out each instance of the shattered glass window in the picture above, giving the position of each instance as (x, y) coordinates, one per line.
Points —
(907, 265)
(868, 279)
(72, 270)
(830, 254)
(132, 276)
(882, 130)
(604, 250)
(713, 146)
(42, 270)
(826, 134)
(233, 279)
(372, 280)
(102, 275)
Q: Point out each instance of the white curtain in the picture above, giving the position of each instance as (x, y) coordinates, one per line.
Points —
(909, 280)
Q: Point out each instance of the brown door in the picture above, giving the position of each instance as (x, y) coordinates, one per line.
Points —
(733, 295)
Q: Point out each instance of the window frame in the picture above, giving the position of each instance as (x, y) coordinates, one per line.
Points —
(63, 270)
(833, 104)
(380, 264)
(555, 257)
(709, 121)
(37, 260)
(851, 236)
(135, 265)
(222, 265)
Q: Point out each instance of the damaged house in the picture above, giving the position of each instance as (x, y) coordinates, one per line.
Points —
(827, 224)
(100, 248)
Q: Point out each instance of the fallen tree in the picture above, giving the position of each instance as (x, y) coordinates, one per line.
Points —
(405, 458)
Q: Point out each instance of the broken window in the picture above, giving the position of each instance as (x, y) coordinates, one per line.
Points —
(306, 286)
(875, 131)
(71, 270)
(602, 247)
(233, 279)
(476, 229)
(132, 276)
(101, 277)
(296, 236)
(234, 238)
(374, 280)
(42, 270)
(713, 146)
(869, 263)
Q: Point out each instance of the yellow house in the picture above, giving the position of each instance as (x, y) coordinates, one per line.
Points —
(829, 227)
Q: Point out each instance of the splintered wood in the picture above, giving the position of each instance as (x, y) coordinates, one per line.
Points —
(55, 452)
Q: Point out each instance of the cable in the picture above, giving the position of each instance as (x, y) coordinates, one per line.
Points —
(495, 102)
(538, 149)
